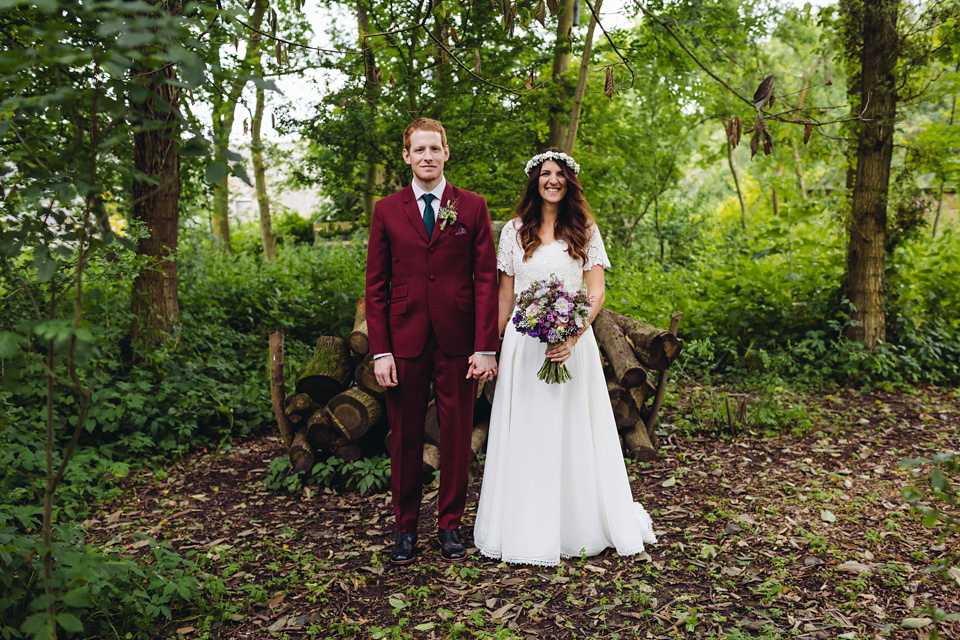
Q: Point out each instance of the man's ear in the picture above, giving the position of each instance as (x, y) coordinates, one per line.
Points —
(406, 155)
(446, 153)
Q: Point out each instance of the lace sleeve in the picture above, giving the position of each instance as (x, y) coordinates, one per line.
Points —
(508, 243)
(596, 253)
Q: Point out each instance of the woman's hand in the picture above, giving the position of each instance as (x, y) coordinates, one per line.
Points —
(562, 352)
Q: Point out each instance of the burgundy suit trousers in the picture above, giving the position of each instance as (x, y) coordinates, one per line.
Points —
(406, 410)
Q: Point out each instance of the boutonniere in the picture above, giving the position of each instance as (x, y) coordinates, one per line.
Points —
(447, 214)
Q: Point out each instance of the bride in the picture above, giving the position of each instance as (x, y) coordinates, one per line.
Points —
(555, 484)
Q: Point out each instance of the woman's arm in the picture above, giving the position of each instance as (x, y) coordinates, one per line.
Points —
(596, 292)
(507, 300)
(596, 289)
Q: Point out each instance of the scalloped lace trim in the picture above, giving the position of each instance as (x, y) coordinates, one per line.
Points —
(538, 562)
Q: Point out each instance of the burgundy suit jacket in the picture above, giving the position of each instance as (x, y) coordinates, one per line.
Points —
(447, 282)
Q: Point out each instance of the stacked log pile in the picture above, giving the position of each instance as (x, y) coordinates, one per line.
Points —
(338, 407)
(637, 357)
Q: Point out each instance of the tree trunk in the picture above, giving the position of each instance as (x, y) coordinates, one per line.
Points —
(943, 180)
(478, 439)
(156, 201)
(328, 372)
(868, 223)
(260, 178)
(277, 387)
(625, 414)
(627, 370)
(354, 412)
(639, 444)
(358, 341)
(581, 83)
(301, 453)
(322, 435)
(366, 380)
(655, 348)
(561, 62)
(371, 95)
(431, 460)
(220, 218)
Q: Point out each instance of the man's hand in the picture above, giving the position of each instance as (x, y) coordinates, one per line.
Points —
(385, 370)
(482, 367)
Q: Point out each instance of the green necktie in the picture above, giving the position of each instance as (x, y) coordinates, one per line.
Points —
(429, 218)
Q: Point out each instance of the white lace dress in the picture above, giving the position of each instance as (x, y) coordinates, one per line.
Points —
(554, 484)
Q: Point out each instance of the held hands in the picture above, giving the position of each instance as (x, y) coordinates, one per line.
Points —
(385, 371)
(482, 367)
(562, 352)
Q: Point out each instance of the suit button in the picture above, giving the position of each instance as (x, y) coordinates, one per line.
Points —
(432, 249)
(432, 278)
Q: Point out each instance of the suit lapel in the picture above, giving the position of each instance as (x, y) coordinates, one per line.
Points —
(448, 195)
(412, 211)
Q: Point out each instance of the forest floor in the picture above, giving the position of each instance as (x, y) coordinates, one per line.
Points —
(802, 535)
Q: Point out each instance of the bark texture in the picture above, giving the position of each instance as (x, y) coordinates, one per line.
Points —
(156, 198)
(868, 220)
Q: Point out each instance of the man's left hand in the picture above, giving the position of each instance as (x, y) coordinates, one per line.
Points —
(482, 367)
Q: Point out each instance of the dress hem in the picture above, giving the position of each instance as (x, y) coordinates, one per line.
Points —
(551, 562)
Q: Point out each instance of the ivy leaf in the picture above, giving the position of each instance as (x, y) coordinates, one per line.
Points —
(827, 516)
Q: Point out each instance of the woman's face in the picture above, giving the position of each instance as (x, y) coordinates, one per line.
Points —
(552, 184)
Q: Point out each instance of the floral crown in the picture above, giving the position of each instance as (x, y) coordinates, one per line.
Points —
(557, 156)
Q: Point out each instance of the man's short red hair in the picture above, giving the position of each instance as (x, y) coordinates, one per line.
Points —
(424, 124)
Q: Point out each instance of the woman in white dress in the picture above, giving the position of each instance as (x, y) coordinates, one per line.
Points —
(555, 484)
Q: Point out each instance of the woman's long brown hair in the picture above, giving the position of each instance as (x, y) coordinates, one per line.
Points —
(573, 214)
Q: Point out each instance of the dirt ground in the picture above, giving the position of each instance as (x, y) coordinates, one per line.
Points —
(802, 535)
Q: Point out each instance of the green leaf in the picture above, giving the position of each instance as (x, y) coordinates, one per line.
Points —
(241, 172)
(134, 39)
(77, 598)
(827, 516)
(48, 267)
(10, 344)
(669, 482)
(70, 622)
(216, 171)
(938, 481)
(426, 626)
(912, 462)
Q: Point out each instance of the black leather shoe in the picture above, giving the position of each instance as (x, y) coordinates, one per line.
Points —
(451, 548)
(405, 550)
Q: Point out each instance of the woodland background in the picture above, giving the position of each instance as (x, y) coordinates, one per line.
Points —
(785, 176)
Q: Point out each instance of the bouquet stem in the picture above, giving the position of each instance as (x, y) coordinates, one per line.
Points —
(554, 372)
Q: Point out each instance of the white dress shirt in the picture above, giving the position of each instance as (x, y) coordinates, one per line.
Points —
(437, 192)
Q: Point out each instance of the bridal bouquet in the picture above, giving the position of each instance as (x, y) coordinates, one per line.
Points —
(550, 313)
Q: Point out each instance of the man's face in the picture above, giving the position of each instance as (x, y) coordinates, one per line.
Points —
(426, 155)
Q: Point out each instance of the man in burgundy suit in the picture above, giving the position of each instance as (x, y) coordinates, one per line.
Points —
(431, 304)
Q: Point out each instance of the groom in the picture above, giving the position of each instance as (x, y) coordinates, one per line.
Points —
(431, 304)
